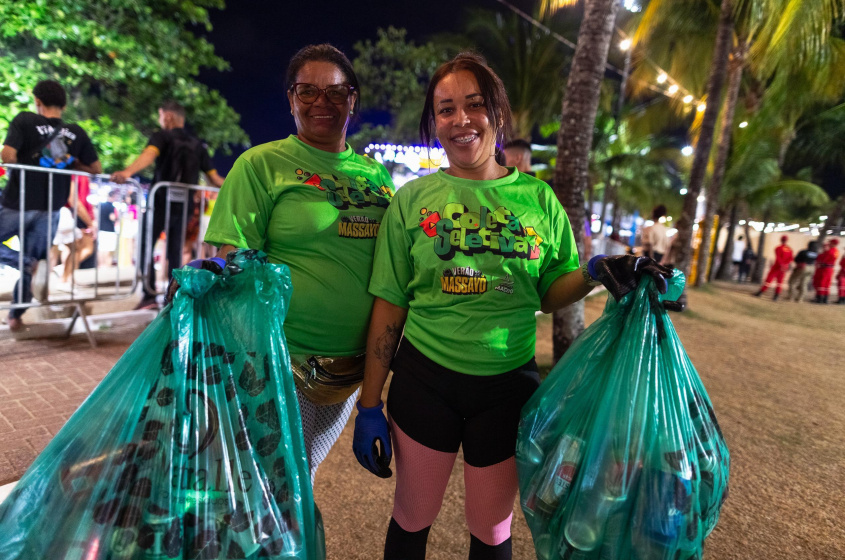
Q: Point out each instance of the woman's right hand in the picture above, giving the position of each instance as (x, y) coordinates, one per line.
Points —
(371, 428)
(214, 264)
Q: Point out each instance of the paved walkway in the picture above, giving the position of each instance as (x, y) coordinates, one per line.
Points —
(42, 382)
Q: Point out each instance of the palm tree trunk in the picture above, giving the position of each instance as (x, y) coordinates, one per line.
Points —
(725, 135)
(715, 85)
(580, 104)
(726, 266)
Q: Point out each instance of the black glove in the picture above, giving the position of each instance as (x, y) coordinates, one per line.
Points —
(214, 264)
(621, 274)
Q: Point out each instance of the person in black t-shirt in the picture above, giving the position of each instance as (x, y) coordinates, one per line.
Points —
(35, 139)
(178, 157)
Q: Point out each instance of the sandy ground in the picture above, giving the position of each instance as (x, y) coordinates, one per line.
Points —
(776, 375)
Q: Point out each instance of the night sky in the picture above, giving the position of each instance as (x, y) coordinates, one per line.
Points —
(258, 37)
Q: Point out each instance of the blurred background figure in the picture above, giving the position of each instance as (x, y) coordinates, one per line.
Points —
(738, 250)
(783, 260)
(804, 260)
(841, 278)
(614, 245)
(746, 260)
(107, 235)
(178, 157)
(824, 270)
(654, 238)
(518, 154)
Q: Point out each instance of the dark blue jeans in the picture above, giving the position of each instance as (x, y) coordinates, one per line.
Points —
(34, 244)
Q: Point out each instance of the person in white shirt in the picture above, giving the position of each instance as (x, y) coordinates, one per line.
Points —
(655, 241)
(739, 249)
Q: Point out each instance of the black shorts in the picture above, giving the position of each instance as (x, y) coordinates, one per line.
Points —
(444, 409)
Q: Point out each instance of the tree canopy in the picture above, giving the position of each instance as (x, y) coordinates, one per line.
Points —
(117, 59)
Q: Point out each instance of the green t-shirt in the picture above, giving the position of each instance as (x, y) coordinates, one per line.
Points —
(471, 260)
(319, 213)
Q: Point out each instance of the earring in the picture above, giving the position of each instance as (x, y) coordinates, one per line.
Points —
(351, 112)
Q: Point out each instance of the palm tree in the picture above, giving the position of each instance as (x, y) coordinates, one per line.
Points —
(715, 84)
(579, 108)
(783, 37)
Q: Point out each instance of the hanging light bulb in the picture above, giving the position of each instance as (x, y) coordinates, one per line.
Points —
(673, 89)
(702, 107)
(625, 45)
(688, 99)
(661, 79)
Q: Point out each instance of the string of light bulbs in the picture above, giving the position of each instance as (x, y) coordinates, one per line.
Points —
(626, 43)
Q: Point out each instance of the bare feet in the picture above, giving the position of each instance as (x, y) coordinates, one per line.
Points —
(15, 324)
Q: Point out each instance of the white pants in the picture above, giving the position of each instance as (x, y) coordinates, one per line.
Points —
(321, 426)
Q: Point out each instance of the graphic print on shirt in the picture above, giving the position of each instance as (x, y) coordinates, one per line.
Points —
(463, 280)
(358, 227)
(505, 285)
(343, 192)
(497, 231)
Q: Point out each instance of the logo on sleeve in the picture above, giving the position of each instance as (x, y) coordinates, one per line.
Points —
(496, 231)
(358, 227)
(463, 280)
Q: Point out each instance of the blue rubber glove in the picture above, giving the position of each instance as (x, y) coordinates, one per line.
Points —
(621, 273)
(371, 428)
(214, 264)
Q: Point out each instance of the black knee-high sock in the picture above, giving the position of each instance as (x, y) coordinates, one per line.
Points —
(480, 551)
(404, 545)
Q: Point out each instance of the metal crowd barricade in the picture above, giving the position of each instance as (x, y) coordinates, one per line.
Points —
(75, 296)
(177, 193)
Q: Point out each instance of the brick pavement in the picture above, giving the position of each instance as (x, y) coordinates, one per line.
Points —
(42, 382)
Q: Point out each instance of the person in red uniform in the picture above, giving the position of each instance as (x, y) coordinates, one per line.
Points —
(824, 270)
(783, 259)
(841, 278)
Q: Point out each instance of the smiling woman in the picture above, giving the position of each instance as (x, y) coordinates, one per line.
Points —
(322, 95)
(464, 259)
(310, 202)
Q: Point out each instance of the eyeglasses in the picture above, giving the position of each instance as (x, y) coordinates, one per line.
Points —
(308, 93)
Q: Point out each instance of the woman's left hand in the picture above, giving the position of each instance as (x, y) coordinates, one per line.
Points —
(621, 274)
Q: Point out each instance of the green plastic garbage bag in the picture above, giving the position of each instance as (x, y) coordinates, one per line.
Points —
(190, 448)
(619, 453)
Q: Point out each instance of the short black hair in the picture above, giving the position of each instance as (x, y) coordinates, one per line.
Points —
(658, 212)
(172, 106)
(322, 53)
(51, 93)
(519, 144)
(492, 90)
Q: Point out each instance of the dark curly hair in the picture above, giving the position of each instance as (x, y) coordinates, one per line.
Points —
(51, 93)
(322, 53)
(492, 90)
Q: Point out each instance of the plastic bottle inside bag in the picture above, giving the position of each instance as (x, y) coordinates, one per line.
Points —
(556, 480)
(600, 498)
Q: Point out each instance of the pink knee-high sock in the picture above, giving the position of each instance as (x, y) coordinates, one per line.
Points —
(421, 477)
(490, 493)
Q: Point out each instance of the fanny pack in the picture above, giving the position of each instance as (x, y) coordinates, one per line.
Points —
(327, 380)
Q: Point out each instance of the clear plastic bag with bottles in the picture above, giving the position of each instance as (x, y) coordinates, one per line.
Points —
(190, 448)
(619, 453)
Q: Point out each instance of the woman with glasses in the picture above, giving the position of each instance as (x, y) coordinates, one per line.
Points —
(310, 202)
(465, 257)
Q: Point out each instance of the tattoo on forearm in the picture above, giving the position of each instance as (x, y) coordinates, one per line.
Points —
(386, 343)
